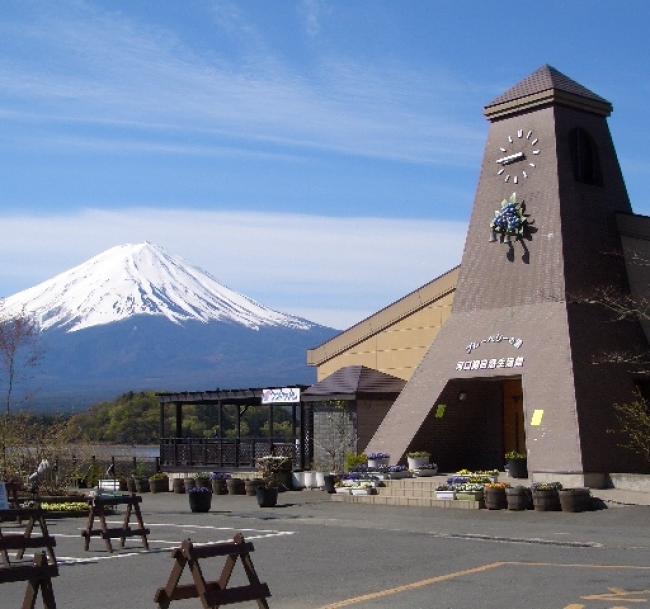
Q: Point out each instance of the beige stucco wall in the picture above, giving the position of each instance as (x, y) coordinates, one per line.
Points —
(398, 348)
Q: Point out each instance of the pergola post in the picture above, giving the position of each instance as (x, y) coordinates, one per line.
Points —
(271, 428)
(162, 421)
(238, 435)
(179, 419)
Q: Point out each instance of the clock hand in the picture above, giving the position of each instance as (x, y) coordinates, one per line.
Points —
(511, 158)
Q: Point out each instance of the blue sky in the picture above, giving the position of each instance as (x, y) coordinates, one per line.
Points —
(320, 156)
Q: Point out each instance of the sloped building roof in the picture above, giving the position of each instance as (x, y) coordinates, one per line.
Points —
(352, 382)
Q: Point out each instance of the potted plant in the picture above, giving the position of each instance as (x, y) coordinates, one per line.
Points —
(546, 497)
(575, 499)
(218, 482)
(277, 468)
(363, 488)
(178, 485)
(200, 498)
(425, 471)
(267, 496)
(516, 464)
(341, 488)
(202, 479)
(519, 498)
(236, 486)
(159, 483)
(445, 492)
(251, 486)
(377, 460)
(470, 492)
(495, 495)
(418, 459)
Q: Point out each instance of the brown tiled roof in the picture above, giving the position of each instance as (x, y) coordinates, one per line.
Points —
(545, 79)
(353, 381)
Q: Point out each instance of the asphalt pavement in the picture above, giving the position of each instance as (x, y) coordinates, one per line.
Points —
(317, 554)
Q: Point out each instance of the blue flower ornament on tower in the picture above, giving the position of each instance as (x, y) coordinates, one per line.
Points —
(510, 221)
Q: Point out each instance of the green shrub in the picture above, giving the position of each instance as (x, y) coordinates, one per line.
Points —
(513, 455)
(419, 454)
(352, 461)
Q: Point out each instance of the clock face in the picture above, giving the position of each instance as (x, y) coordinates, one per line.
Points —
(518, 157)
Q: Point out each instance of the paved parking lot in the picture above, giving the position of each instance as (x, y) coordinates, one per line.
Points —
(320, 555)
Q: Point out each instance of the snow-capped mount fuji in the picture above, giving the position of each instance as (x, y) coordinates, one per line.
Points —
(137, 318)
(141, 279)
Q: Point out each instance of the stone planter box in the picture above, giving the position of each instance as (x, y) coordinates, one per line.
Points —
(343, 490)
(416, 463)
(446, 495)
(424, 473)
(469, 495)
(363, 491)
(375, 463)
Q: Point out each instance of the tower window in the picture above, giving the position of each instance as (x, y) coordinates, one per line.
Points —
(584, 156)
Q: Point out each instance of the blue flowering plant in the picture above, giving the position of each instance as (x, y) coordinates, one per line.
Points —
(220, 476)
(200, 490)
(378, 456)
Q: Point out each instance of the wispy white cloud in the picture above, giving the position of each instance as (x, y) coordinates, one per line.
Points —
(102, 67)
(332, 270)
(312, 11)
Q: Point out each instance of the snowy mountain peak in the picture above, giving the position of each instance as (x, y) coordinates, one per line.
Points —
(140, 279)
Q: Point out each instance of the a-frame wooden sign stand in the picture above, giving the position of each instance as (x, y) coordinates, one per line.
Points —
(97, 508)
(213, 594)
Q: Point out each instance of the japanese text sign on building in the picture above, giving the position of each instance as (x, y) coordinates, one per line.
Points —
(282, 395)
(495, 338)
(489, 364)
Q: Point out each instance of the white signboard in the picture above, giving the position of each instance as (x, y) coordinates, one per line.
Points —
(4, 500)
(283, 395)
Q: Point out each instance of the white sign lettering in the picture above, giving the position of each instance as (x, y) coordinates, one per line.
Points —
(495, 338)
(489, 364)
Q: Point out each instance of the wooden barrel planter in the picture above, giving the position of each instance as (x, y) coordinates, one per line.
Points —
(575, 499)
(495, 498)
(200, 502)
(141, 485)
(236, 486)
(219, 487)
(546, 500)
(518, 498)
(250, 486)
(517, 468)
(178, 485)
(267, 497)
(159, 484)
(189, 484)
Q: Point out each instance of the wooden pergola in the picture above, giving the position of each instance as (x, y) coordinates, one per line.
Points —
(178, 451)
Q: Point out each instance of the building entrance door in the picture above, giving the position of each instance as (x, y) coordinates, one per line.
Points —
(514, 432)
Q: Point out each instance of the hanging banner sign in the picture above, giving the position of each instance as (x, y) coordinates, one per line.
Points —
(283, 395)
(4, 500)
(489, 364)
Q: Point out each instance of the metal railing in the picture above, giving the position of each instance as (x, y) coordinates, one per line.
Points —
(226, 452)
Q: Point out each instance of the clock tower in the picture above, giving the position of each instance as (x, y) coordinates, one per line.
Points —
(542, 236)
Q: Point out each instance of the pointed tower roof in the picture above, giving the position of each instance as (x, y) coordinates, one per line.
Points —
(544, 87)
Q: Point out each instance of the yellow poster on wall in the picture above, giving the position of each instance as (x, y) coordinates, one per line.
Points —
(537, 417)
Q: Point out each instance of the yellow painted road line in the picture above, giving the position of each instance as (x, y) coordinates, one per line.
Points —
(576, 565)
(373, 596)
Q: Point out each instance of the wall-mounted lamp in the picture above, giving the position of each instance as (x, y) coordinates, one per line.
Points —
(462, 396)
